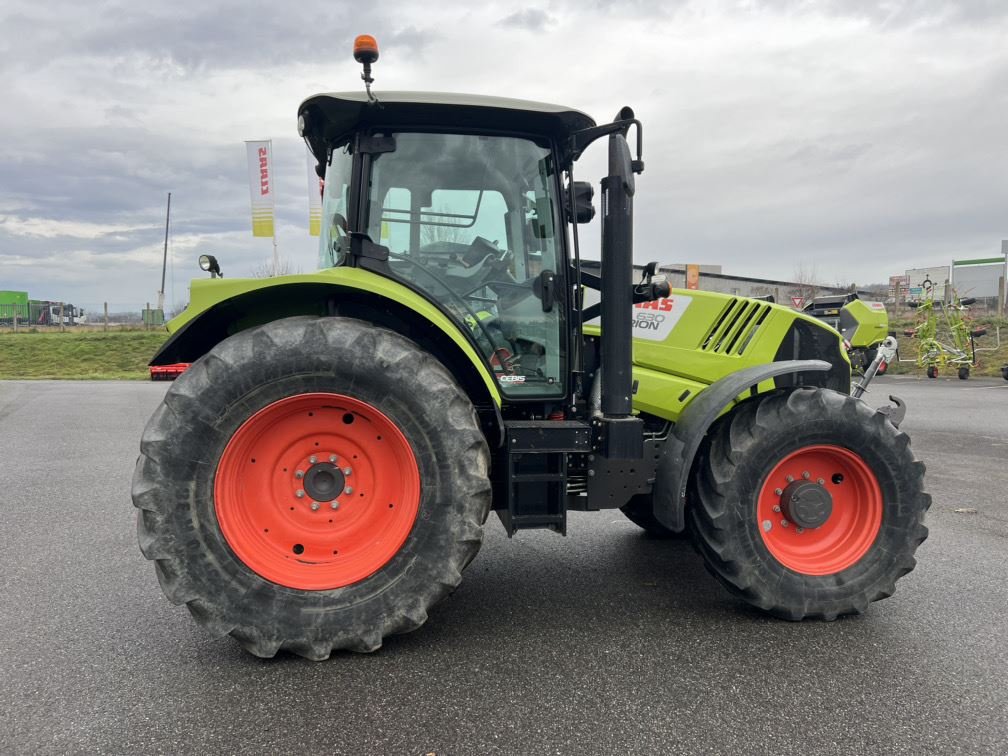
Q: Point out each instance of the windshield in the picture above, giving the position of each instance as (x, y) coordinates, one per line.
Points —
(470, 220)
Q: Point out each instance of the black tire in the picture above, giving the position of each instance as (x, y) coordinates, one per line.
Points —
(173, 485)
(739, 453)
(964, 373)
(932, 371)
(640, 511)
(1004, 372)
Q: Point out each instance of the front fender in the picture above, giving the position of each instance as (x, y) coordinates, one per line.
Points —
(672, 473)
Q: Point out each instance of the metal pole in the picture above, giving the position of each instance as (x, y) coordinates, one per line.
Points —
(106, 318)
(62, 327)
(164, 261)
(1004, 280)
(276, 258)
(147, 318)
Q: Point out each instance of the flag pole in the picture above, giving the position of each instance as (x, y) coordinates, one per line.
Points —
(164, 261)
(276, 257)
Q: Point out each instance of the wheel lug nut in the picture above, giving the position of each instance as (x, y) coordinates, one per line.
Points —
(799, 530)
(348, 490)
(299, 474)
(313, 459)
(784, 523)
(821, 482)
(778, 491)
(806, 475)
(347, 471)
(334, 505)
(776, 509)
(314, 506)
(332, 457)
(299, 493)
(789, 478)
(767, 525)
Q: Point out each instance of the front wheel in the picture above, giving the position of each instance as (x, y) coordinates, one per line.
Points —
(808, 504)
(932, 371)
(312, 485)
(964, 373)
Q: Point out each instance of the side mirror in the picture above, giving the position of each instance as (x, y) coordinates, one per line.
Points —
(583, 210)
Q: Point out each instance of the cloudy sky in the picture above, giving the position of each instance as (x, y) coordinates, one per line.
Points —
(855, 137)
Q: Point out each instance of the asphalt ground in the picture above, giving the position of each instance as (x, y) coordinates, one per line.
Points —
(604, 642)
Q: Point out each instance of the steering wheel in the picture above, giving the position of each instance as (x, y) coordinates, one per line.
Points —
(339, 239)
(495, 346)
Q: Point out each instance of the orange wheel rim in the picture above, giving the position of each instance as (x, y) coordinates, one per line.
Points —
(835, 495)
(317, 491)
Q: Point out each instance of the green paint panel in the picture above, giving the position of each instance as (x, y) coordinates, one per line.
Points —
(207, 292)
(981, 261)
(872, 320)
(693, 338)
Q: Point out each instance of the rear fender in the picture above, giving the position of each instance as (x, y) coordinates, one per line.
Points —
(672, 473)
(377, 301)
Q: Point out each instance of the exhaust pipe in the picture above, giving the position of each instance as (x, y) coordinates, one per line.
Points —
(617, 280)
(621, 435)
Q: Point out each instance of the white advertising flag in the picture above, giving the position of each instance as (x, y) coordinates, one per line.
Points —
(315, 185)
(260, 170)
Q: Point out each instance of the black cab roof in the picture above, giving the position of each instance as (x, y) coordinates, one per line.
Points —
(330, 118)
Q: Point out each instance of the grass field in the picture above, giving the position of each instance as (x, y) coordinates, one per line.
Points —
(78, 354)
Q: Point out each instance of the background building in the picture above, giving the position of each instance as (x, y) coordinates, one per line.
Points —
(712, 279)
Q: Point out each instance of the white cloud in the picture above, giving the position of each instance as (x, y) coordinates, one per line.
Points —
(47, 228)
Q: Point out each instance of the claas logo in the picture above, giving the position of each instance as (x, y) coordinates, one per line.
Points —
(662, 305)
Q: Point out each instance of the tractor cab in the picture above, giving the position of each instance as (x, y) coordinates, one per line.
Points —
(459, 198)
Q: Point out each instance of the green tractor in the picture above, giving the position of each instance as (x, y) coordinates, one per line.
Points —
(863, 324)
(320, 476)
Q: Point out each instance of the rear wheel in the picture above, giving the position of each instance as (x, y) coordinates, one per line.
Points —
(932, 371)
(311, 485)
(964, 373)
(808, 504)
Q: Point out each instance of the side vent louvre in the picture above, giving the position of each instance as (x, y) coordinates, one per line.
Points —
(717, 330)
(735, 327)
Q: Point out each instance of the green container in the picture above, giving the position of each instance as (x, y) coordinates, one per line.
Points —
(13, 303)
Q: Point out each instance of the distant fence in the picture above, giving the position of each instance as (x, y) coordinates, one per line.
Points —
(58, 316)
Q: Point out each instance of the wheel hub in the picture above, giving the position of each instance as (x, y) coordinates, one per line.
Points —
(806, 504)
(324, 481)
(819, 509)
